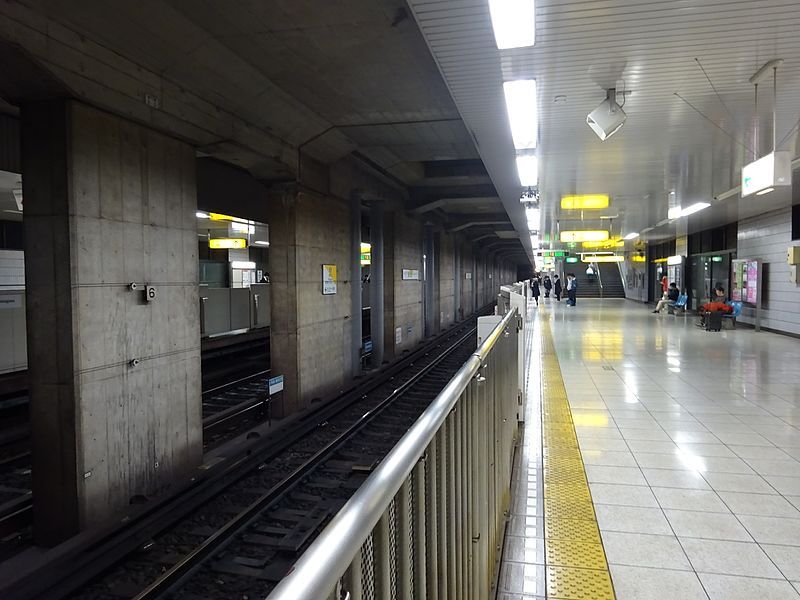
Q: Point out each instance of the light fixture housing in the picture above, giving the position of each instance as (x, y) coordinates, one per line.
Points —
(584, 202)
(584, 236)
(767, 173)
(514, 23)
(631, 236)
(602, 258)
(227, 243)
(522, 112)
(528, 170)
(245, 265)
(608, 118)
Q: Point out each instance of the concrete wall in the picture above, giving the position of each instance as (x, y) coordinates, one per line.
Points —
(467, 285)
(446, 279)
(311, 333)
(407, 293)
(768, 237)
(108, 202)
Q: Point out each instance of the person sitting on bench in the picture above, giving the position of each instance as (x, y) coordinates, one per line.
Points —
(671, 297)
(716, 305)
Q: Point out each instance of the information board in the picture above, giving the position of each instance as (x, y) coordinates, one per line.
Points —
(328, 279)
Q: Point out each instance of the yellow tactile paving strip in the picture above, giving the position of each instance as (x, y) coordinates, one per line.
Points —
(575, 560)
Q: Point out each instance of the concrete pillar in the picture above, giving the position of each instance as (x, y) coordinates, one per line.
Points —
(311, 333)
(457, 311)
(355, 290)
(376, 287)
(114, 379)
(430, 280)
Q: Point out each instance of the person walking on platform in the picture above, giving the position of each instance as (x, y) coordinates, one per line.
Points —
(572, 289)
(557, 288)
(535, 289)
(548, 285)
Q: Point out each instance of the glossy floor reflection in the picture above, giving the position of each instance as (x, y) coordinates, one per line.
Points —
(691, 442)
(522, 575)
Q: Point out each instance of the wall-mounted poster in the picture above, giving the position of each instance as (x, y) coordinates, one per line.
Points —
(745, 281)
(328, 279)
(752, 281)
(411, 274)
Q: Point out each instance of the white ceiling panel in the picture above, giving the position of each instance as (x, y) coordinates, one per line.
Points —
(684, 134)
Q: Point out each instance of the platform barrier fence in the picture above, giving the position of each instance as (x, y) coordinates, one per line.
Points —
(429, 521)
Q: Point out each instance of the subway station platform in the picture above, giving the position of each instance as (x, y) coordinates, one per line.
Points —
(685, 444)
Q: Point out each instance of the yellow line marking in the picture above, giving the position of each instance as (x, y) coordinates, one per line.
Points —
(575, 560)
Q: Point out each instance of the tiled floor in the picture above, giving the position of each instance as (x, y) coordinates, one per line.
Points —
(691, 442)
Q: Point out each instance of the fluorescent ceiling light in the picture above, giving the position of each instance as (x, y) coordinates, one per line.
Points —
(522, 113)
(528, 170)
(584, 236)
(697, 207)
(584, 202)
(674, 212)
(533, 217)
(246, 265)
(766, 191)
(647, 229)
(261, 243)
(514, 23)
(202, 215)
(632, 236)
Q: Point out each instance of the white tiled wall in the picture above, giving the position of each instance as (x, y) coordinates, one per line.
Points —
(767, 237)
(12, 268)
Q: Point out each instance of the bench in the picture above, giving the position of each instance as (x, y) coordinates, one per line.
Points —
(679, 303)
(737, 310)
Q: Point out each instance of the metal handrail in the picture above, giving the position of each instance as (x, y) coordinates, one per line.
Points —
(321, 566)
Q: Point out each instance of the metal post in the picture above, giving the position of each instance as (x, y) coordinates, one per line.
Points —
(420, 532)
(452, 515)
(376, 281)
(352, 578)
(381, 559)
(355, 282)
(403, 529)
(432, 527)
(442, 512)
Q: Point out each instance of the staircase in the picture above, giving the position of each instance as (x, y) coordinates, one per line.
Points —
(587, 288)
(612, 280)
(590, 288)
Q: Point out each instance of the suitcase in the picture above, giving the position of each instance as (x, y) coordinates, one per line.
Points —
(713, 321)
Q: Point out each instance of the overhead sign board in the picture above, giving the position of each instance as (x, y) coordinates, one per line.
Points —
(767, 173)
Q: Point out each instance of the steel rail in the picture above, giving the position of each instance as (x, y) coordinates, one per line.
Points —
(320, 568)
(183, 569)
(80, 559)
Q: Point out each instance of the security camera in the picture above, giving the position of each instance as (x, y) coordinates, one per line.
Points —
(608, 118)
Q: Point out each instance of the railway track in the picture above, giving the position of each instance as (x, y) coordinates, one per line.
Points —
(227, 410)
(270, 487)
